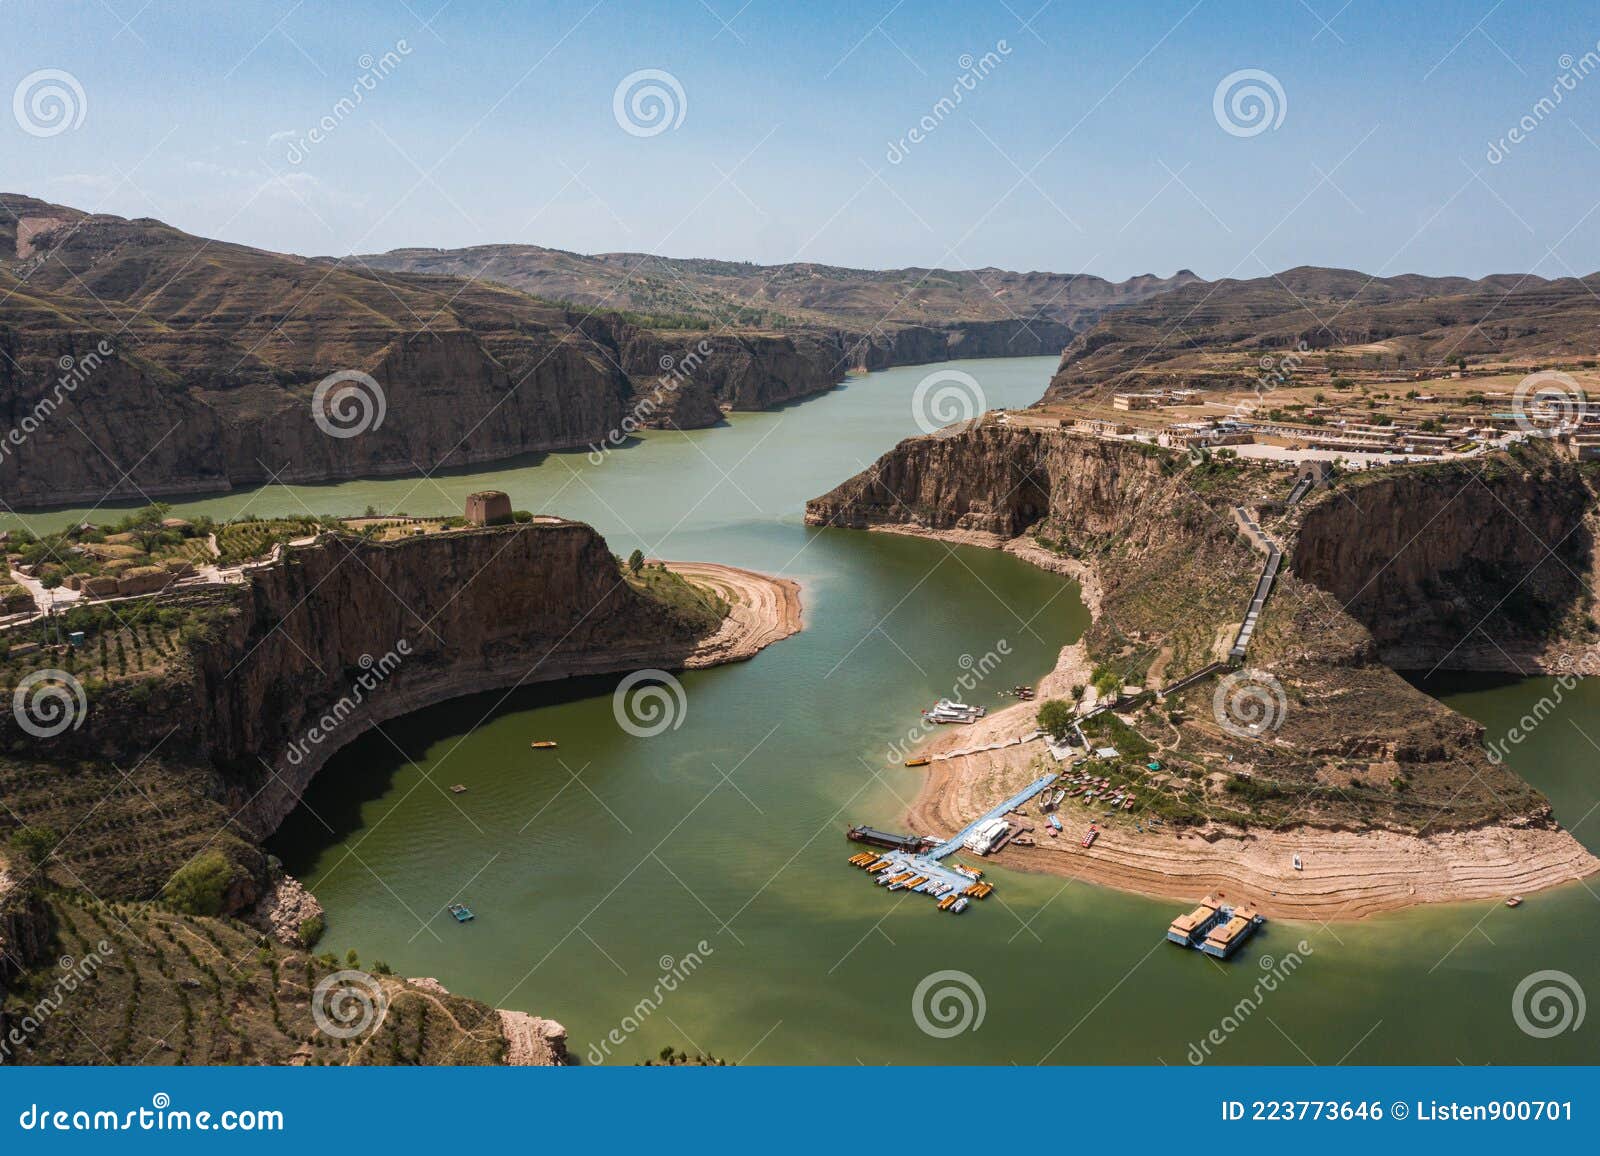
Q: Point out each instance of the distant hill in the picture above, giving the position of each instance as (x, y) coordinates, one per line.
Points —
(216, 349)
(482, 354)
(784, 295)
(1197, 333)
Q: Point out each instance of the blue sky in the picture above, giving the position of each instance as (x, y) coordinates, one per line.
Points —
(1090, 145)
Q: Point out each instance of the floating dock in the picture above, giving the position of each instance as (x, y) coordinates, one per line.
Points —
(1227, 939)
(1215, 929)
(905, 865)
(1189, 929)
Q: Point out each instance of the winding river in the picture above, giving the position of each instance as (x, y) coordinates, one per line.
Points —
(712, 853)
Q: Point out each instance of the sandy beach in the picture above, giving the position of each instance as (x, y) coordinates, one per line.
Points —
(1346, 875)
(761, 610)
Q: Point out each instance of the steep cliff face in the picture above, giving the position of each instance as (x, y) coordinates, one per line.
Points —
(137, 360)
(892, 345)
(692, 375)
(1478, 566)
(435, 617)
(1353, 744)
(996, 479)
(271, 678)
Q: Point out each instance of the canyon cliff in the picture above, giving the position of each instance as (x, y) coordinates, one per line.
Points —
(319, 646)
(138, 361)
(144, 819)
(1407, 566)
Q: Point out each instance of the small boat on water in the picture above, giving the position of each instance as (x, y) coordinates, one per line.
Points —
(919, 761)
(1514, 901)
(544, 744)
(946, 711)
(969, 872)
(462, 912)
(948, 902)
(959, 905)
(458, 789)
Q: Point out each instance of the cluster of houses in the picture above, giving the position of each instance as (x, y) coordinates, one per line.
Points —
(1328, 427)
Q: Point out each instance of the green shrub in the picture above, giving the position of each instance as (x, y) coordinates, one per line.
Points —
(200, 885)
(33, 845)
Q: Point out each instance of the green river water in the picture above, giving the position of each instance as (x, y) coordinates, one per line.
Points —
(718, 846)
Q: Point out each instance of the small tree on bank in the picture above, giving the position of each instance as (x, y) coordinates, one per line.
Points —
(1055, 717)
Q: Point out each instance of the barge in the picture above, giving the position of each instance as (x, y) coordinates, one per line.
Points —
(862, 834)
(1188, 930)
(1214, 928)
(1241, 925)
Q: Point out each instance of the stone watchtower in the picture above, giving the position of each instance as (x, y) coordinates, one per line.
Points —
(488, 507)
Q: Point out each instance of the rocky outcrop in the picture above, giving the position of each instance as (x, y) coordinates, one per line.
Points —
(1482, 566)
(138, 361)
(332, 638)
(996, 479)
(285, 908)
(898, 344)
(1356, 746)
(691, 376)
(339, 636)
(1485, 565)
(448, 399)
(533, 1042)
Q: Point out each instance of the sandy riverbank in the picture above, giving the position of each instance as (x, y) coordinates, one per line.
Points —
(1346, 875)
(761, 610)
